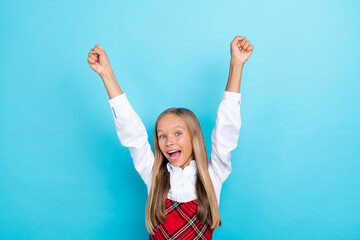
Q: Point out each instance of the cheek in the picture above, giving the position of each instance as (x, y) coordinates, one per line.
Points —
(161, 146)
(186, 144)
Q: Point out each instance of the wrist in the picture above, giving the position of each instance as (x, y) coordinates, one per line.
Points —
(234, 80)
(237, 63)
(107, 75)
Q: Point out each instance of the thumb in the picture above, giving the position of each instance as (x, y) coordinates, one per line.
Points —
(97, 50)
(99, 47)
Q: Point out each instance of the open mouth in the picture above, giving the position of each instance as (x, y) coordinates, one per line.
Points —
(174, 155)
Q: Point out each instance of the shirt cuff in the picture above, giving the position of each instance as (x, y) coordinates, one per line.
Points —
(119, 102)
(118, 99)
(232, 96)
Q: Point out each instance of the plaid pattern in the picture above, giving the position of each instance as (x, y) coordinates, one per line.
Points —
(181, 223)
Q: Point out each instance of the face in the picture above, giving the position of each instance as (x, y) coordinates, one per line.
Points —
(174, 140)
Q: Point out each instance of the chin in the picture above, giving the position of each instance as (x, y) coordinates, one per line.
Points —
(179, 163)
(176, 163)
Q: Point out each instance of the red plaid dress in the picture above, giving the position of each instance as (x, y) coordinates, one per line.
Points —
(181, 223)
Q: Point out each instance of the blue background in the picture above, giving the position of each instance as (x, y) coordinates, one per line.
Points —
(63, 172)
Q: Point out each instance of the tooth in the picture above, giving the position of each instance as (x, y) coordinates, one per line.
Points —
(173, 151)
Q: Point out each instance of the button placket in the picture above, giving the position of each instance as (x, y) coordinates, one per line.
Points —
(173, 194)
(177, 177)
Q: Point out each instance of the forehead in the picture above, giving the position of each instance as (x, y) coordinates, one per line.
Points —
(169, 122)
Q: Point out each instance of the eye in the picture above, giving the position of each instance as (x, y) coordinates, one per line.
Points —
(178, 133)
(161, 136)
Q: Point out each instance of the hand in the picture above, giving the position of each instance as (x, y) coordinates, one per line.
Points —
(98, 60)
(240, 50)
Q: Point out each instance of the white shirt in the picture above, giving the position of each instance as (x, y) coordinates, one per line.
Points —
(132, 134)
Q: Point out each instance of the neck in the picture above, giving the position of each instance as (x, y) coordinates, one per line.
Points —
(186, 164)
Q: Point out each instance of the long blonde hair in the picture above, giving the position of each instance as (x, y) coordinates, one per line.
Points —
(208, 211)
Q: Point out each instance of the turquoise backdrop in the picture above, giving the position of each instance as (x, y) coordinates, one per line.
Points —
(63, 171)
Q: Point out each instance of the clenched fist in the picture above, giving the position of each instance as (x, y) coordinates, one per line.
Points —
(240, 49)
(98, 60)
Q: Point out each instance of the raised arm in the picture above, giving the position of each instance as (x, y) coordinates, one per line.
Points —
(99, 62)
(225, 135)
(240, 52)
(129, 127)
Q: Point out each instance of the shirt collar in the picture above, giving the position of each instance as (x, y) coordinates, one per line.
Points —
(191, 168)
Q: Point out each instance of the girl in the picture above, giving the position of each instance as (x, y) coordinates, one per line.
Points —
(183, 186)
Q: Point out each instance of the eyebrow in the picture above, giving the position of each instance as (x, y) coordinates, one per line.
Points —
(177, 126)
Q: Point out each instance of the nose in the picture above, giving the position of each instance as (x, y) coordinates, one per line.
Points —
(169, 141)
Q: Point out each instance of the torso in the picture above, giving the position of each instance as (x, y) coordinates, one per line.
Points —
(181, 222)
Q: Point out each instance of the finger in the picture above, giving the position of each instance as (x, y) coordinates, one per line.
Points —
(239, 38)
(93, 56)
(242, 42)
(100, 48)
(91, 61)
(98, 51)
(236, 40)
(246, 45)
(93, 51)
(250, 48)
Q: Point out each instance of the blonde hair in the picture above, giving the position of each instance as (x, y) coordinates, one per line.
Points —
(208, 210)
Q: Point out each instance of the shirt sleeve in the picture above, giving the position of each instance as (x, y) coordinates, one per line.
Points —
(224, 138)
(132, 134)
